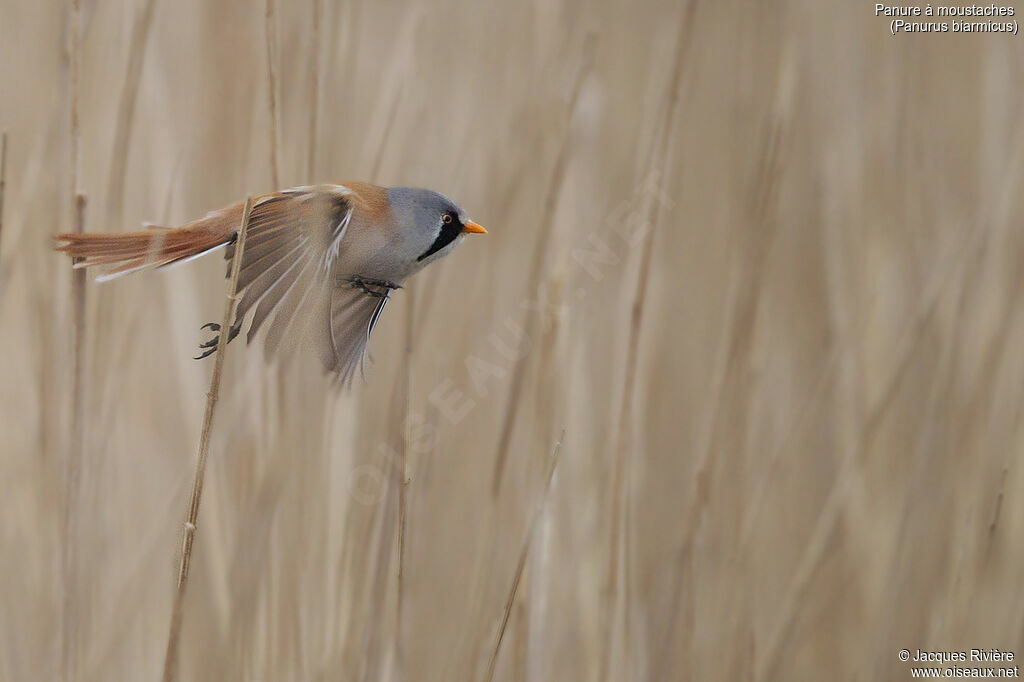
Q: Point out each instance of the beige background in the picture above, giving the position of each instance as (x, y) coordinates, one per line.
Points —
(818, 440)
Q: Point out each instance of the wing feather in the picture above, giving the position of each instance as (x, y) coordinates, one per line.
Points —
(287, 279)
(276, 294)
(354, 312)
(292, 309)
(293, 238)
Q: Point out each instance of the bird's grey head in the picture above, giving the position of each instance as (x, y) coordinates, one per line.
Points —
(432, 225)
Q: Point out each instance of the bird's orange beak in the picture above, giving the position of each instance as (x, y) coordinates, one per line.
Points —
(474, 228)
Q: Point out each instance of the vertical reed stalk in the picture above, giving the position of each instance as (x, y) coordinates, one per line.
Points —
(126, 112)
(659, 159)
(73, 471)
(620, 497)
(74, 51)
(314, 97)
(73, 464)
(403, 470)
(270, 25)
(192, 517)
(536, 266)
(3, 180)
(534, 522)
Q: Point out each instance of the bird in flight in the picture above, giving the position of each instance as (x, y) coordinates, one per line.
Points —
(319, 263)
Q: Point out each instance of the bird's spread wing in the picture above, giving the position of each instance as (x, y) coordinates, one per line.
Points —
(354, 308)
(292, 241)
(287, 278)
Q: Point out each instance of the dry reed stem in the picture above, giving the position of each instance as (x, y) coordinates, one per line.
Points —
(403, 470)
(126, 112)
(815, 400)
(123, 615)
(829, 515)
(620, 497)
(539, 256)
(103, 363)
(74, 53)
(743, 303)
(379, 158)
(831, 510)
(314, 97)
(270, 27)
(659, 159)
(174, 634)
(73, 471)
(527, 542)
(3, 180)
(931, 442)
(73, 465)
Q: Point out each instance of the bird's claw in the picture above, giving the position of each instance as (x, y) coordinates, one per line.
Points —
(211, 345)
(364, 284)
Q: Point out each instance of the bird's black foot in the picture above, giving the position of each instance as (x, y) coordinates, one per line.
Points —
(211, 345)
(370, 286)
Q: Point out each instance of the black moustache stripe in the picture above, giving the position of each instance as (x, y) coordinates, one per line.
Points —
(449, 233)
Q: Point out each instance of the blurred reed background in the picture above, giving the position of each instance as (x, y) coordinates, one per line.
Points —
(792, 406)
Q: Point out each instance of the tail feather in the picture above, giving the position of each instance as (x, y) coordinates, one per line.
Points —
(155, 247)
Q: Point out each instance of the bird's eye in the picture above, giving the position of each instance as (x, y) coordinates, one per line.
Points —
(447, 218)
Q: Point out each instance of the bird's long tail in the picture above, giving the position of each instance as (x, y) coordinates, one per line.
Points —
(126, 252)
